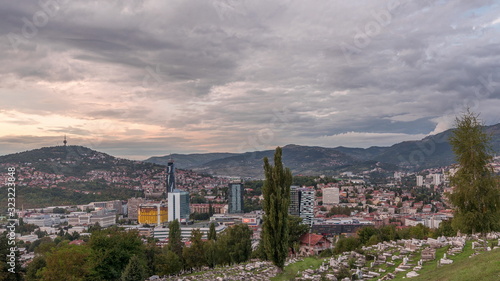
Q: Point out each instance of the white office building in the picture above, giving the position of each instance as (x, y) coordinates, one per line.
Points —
(420, 180)
(436, 179)
(161, 232)
(178, 205)
(307, 205)
(331, 196)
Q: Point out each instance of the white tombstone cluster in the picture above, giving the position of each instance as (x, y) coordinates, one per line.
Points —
(428, 254)
(258, 270)
(445, 260)
(456, 245)
(436, 243)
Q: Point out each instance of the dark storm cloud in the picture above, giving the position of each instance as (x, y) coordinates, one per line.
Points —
(229, 70)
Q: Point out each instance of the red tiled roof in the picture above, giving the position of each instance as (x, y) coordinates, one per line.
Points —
(315, 238)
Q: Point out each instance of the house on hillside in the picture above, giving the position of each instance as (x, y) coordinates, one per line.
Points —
(77, 242)
(313, 244)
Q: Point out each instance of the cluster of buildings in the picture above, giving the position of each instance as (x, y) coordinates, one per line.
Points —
(103, 217)
(155, 212)
(368, 204)
(178, 207)
(431, 180)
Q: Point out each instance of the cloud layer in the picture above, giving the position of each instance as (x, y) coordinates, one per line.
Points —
(149, 78)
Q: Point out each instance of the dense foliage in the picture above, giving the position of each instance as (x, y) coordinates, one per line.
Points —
(5, 250)
(276, 191)
(33, 197)
(114, 254)
(370, 235)
(476, 196)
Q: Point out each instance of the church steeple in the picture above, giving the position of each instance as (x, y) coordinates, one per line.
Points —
(65, 141)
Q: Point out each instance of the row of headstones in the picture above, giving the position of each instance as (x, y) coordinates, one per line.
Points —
(250, 271)
(457, 244)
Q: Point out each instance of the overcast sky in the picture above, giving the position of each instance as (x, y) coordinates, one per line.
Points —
(146, 78)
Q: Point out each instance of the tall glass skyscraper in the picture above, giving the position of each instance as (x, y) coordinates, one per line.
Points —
(178, 205)
(236, 197)
(170, 177)
(307, 205)
(294, 208)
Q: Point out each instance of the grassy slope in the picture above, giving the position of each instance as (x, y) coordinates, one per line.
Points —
(485, 266)
(290, 271)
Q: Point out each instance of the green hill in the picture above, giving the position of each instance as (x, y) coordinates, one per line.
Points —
(70, 175)
(484, 267)
(74, 160)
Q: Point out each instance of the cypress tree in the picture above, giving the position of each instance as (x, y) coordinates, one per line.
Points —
(276, 192)
(212, 234)
(210, 209)
(174, 238)
(476, 194)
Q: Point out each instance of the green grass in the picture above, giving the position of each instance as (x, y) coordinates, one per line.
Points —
(430, 265)
(427, 266)
(290, 271)
(484, 267)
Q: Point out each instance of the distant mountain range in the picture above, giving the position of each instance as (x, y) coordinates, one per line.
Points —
(431, 152)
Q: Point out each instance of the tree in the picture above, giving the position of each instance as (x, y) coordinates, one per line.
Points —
(169, 263)
(346, 244)
(174, 238)
(234, 244)
(212, 234)
(374, 239)
(365, 233)
(276, 192)
(195, 254)
(445, 229)
(44, 245)
(33, 272)
(388, 232)
(296, 230)
(135, 270)
(112, 250)
(476, 196)
(69, 262)
(95, 227)
(211, 253)
(58, 210)
(152, 252)
(6, 268)
(210, 209)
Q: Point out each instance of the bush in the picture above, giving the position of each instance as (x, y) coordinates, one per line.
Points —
(326, 253)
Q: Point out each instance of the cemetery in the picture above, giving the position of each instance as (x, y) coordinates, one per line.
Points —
(383, 261)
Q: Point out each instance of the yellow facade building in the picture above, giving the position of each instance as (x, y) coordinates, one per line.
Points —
(152, 214)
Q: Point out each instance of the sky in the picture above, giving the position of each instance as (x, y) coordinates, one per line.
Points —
(147, 78)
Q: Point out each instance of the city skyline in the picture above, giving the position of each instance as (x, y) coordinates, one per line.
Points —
(151, 78)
